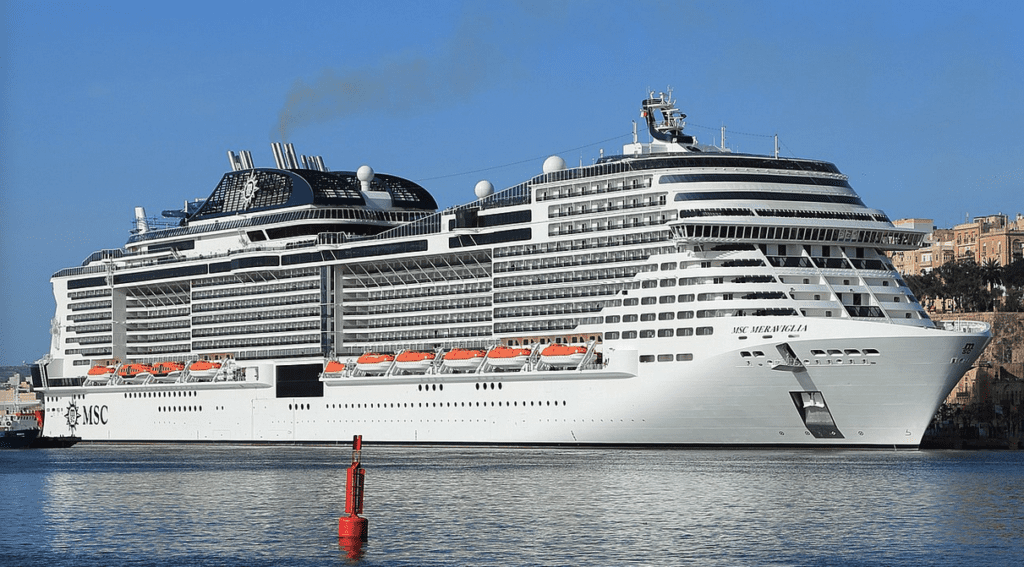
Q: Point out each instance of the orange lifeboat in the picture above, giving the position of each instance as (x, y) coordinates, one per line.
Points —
(373, 363)
(414, 361)
(203, 370)
(133, 369)
(135, 373)
(562, 355)
(508, 357)
(99, 375)
(334, 367)
(463, 358)
(165, 368)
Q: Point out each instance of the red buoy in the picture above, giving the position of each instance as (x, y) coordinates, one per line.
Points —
(352, 529)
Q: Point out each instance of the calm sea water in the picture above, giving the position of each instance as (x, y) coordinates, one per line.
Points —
(269, 505)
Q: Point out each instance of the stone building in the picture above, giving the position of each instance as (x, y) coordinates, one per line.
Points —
(998, 377)
(993, 237)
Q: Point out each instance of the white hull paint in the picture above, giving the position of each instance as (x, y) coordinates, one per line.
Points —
(719, 400)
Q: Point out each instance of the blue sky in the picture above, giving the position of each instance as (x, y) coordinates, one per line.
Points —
(110, 105)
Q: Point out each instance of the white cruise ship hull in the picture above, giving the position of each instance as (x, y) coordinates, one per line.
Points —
(718, 298)
(722, 399)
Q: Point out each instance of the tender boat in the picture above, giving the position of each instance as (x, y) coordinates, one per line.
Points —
(508, 357)
(334, 367)
(414, 361)
(203, 370)
(461, 359)
(99, 375)
(373, 363)
(559, 355)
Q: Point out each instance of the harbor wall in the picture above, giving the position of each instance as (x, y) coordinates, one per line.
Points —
(986, 408)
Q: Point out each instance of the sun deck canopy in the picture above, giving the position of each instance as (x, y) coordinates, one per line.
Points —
(263, 189)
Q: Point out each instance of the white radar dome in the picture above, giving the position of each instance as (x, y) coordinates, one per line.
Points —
(483, 189)
(553, 164)
(364, 173)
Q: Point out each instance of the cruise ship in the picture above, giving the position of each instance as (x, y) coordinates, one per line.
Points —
(678, 294)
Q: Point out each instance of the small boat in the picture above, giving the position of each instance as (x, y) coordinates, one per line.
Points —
(373, 363)
(165, 368)
(560, 355)
(13, 436)
(334, 367)
(99, 375)
(463, 359)
(203, 370)
(20, 424)
(135, 373)
(508, 357)
(414, 361)
(167, 372)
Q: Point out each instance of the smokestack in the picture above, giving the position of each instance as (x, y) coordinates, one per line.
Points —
(234, 161)
(141, 226)
(246, 159)
(320, 163)
(278, 155)
(292, 160)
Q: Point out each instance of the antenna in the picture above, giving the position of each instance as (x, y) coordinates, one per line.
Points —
(776, 145)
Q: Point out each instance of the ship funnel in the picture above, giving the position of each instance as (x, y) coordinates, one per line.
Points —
(315, 163)
(290, 158)
(141, 226)
(234, 160)
(278, 155)
(240, 161)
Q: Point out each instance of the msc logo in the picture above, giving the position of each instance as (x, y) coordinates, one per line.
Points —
(94, 415)
(86, 415)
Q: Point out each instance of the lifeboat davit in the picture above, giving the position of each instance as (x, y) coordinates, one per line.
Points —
(562, 355)
(508, 357)
(463, 359)
(414, 361)
(373, 363)
(203, 370)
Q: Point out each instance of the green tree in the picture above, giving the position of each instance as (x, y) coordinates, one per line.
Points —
(992, 275)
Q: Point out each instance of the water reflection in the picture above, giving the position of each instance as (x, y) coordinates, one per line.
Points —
(191, 505)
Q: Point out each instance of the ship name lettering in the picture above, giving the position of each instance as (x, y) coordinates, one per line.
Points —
(94, 415)
(769, 329)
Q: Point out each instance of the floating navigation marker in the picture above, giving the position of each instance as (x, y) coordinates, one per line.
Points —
(352, 529)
